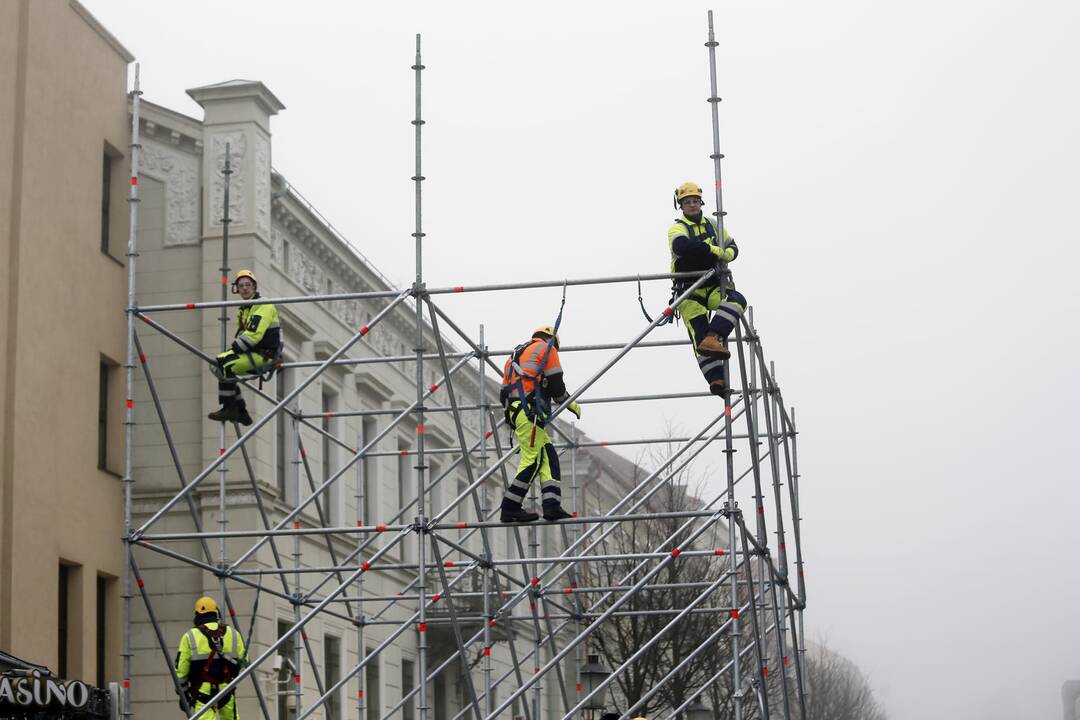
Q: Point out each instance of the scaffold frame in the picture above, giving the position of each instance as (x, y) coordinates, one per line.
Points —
(545, 606)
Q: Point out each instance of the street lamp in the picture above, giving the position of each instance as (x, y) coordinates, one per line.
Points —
(593, 675)
(698, 710)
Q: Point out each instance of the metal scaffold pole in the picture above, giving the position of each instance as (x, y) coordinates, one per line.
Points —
(129, 380)
(509, 619)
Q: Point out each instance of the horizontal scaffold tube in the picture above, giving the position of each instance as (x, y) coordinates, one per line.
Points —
(390, 294)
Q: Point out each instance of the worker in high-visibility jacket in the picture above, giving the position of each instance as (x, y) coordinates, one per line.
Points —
(532, 380)
(210, 656)
(255, 349)
(710, 312)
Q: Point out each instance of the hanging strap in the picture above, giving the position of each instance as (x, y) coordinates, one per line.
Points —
(664, 320)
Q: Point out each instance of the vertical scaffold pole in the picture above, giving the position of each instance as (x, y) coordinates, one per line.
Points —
(298, 591)
(729, 450)
(362, 515)
(484, 511)
(129, 371)
(418, 296)
(224, 320)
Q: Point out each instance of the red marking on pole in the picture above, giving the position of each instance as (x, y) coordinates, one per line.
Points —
(574, 513)
(296, 524)
(403, 453)
(134, 180)
(303, 634)
(380, 528)
(566, 591)
(675, 552)
(761, 509)
(420, 428)
(448, 563)
(367, 566)
(717, 184)
(461, 525)
(142, 358)
(364, 330)
(327, 414)
(278, 365)
(535, 581)
(130, 403)
(398, 593)
(459, 288)
(487, 434)
(785, 660)
(801, 574)
(536, 670)
(573, 585)
(668, 311)
(578, 687)
(189, 306)
(221, 451)
(303, 453)
(423, 627)
(487, 652)
(491, 623)
(765, 670)
(434, 387)
(720, 551)
(296, 678)
(359, 524)
(141, 583)
(436, 597)
(224, 280)
(145, 319)
(127, 683)
(734, 614)
(783, 546)
(232, 612)
(532, 606)
(603, 443)
(727, 410)
(359, 693)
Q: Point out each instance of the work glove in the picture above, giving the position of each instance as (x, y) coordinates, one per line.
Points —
(574, 408)
(723, 254)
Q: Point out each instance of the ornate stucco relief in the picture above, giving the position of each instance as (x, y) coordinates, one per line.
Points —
(238, 185)
(262, 185)
(179, 171)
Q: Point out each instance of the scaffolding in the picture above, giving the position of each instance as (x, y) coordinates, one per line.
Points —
(552, 611)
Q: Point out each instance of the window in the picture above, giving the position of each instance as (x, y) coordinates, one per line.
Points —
(103, 415)
(63, 597)
(283, 434)
(408, 710)
(102, 628)
(371, 688)
(404, 476)
(106, 198)
(368, 476)
(329, 498)
(332, 668)
(109, 441)
(285, 685)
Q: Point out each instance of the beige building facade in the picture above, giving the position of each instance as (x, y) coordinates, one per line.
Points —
(64, 136)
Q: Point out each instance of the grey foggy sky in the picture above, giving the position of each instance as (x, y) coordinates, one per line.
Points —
(901, 178)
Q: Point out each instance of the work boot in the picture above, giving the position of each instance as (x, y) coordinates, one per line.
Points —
(518, 515)
(225, 414)
(242, 417)
(551, 514)
(712, 346)
(718, 387)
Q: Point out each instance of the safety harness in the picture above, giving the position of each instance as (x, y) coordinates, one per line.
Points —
(216, 668)
(679, 285)
(536, 407)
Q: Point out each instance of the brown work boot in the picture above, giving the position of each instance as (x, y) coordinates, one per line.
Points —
(713, 346)
(224, 415)
(718, 387)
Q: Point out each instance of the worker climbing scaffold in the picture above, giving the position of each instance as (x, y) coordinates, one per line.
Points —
(532, 379)
(256, 348)
(696, 245)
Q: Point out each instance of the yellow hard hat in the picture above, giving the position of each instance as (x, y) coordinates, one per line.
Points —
(687, 189)
(548, 331)
(205, 604)
(244, 274)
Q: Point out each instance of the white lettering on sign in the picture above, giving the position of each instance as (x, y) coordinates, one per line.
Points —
(41, 691)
